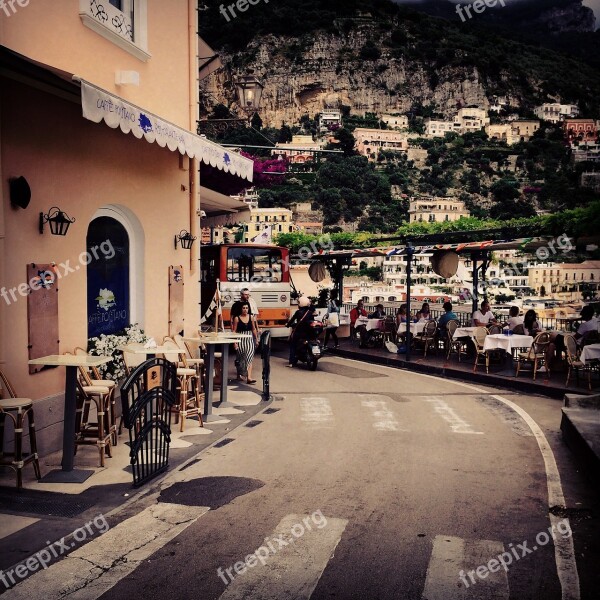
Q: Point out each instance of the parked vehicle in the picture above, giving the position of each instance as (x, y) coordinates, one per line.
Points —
(309, 349)
(227, 269)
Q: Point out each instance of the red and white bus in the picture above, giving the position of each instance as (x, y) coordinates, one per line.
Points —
(263, 269)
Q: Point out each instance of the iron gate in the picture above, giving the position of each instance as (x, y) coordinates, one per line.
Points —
(147, 397)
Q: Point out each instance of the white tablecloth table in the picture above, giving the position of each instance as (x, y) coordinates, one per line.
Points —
(499, 341)
(415, 328)
(590, 352)
(463, 332)
(372, 323)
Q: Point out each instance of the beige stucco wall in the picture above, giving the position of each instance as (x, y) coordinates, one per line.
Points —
(81, 166)
(52, 32)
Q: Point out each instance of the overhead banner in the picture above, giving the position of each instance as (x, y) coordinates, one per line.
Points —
(99, 105)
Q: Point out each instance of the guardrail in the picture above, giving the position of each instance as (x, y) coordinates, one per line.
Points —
(465, 318)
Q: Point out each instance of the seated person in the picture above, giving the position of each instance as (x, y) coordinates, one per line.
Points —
(401, 316)
(448, 315)
(513, 317)
(484, 316)
(357, 311)
(589, 325)
(378, 313)
(531, 324)
(424, 314)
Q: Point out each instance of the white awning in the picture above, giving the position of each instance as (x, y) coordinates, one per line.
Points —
(221, 209)
(100, 105)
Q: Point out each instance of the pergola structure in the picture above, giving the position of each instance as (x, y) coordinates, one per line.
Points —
(459, 242)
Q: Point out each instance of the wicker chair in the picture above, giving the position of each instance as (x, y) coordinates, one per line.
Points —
(428, 337)
(479, 335)
(17, 409)
(451, 343)
(575, 364)
(96, 379)
(536, 355)
(519, 329)
(494, 329)
(189, 384)
(389, 329)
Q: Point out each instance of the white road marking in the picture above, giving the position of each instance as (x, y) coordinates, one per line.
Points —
(385, 419)
(317, 413)
(457, 424)
(293, 571)
(96, 567)
(564, 550)
(453, 557)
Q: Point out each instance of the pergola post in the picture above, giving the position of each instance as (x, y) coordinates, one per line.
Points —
(409, 255)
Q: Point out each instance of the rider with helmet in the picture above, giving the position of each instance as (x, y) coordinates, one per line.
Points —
(301, 323)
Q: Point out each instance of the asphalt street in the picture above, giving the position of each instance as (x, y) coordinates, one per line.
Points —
(358, 481)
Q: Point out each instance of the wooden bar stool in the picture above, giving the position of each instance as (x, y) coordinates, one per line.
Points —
(17, 409)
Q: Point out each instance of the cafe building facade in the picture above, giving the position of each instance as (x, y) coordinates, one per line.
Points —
(98, 114)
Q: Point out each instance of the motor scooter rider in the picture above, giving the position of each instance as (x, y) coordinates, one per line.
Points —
(301, 323)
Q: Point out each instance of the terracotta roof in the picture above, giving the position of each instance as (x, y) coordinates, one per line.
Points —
(588, 264)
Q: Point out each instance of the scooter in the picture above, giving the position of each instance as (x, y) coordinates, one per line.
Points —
(309, 349)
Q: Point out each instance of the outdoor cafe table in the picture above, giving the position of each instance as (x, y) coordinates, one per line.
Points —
(415, 328)
(500, 341)
(211, 341)
(464, 332)
(150, 352)
(369, 324)
(71, 362)
(590, 352)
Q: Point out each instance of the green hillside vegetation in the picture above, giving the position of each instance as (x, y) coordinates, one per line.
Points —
(577, 223)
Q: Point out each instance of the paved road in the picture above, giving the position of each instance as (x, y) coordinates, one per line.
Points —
(361, 482)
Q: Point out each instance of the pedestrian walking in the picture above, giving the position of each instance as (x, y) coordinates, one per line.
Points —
(333, 320)
(246, 345)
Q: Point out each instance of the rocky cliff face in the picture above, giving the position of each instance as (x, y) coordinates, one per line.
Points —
(327, 72)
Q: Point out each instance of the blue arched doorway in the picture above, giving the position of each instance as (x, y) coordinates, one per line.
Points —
(108, 305)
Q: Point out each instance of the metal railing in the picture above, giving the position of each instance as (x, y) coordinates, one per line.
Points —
(465, 317)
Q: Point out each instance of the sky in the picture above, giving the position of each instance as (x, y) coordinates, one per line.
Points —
(593, 4)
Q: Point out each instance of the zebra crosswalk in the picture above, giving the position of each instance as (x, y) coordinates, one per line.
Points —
(317, 412)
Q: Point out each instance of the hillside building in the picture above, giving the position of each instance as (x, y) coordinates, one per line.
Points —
(276, 220)
(434, 210)
(395, 121)
(330, 119)
(586, 152)
(513, 132)
(300, 150)
(555, 112)
(564, 278)
(369, 142)
(582, 130)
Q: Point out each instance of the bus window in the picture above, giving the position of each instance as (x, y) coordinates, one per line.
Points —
(254, 264)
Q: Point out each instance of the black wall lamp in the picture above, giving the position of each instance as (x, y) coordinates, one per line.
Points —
(58, 220)
(185, 238)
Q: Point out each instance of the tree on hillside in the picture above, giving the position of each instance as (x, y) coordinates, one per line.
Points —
(345, 142)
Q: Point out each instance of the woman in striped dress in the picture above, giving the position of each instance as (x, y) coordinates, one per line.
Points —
(245, 346)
